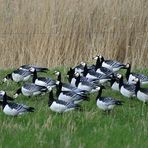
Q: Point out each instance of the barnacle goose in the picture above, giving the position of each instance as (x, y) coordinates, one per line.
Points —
(14, 109)
(60, 106)
(111, 64)
(30, 89)
(85, 85)
(130, 76)
(79, 68)
(19, 75)
(127, 90)
(106, 103)
(38, 69)
(100, 69)
(69, 96)
(141, 93)
(43, 81)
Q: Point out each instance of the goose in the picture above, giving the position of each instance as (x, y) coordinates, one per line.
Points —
(100, 69)
(38, 69)
(127, 90)
(85, 85)
(79, 68)
(14, 109)
(91, 74)
(111, 64)
(43, 81)
(19, 75)
(69, 96)
(2, 95)
(60, 106)
(130, 76)
(69, 87)
(106, 103)
(30, 89)
(141, 93)
(114, 83)
(72, 79)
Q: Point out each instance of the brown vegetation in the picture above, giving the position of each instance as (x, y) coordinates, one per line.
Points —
(65, 32)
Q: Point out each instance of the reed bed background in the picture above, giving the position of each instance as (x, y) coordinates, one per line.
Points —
(64, 32)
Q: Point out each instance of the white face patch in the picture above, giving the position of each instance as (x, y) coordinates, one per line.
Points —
(2, 92)
(15, 95)
(5, 79)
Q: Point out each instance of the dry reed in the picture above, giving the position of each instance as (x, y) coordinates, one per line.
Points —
(65, 32)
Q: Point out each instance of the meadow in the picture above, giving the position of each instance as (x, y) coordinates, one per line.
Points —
(52, 32)
(125, 127)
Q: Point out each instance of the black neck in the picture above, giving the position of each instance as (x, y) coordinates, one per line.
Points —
(128, 71)
(137, 86)
(98, 64)
(99, 94)
(77, 80)
(59, 77)
(85, 70)
(34, 76)
(59, 89)
(70, 74)
(51, 99)
(19, 91)
(4, 103)
(120, 82)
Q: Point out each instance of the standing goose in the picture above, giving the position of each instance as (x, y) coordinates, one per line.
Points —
(106, 103)
(111, 64)
(19, 75)
(100, 69)
(38, 69)
(60, 106)
(14, 109)
(30, 89)
(131, 76)
(141, 93)
(127, 90)
(43, 81)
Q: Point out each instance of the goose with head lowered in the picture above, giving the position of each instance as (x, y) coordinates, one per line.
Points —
(141, 93)
(111, 64)
(60, 106)
(38, 69)
(127, 90)
(14, 109)
(79, 68)
(69, 96)
(106, 103)
(130, 76)
(19, 75)
(30, 89)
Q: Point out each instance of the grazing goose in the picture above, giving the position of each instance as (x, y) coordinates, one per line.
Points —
(100, 69)
(30, 89)
(69, 96)
(141, 93)
(79, 68)
(127, 90)
(131, 76)
(38, 69)
(43, 81)
(106, 103)
(19, 75)
(85, 85)
(14, 109)
(91, 74)
(68, 87)
(111, 64)
(60, 106)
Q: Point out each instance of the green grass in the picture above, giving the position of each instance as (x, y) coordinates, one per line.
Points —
(125, 126)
